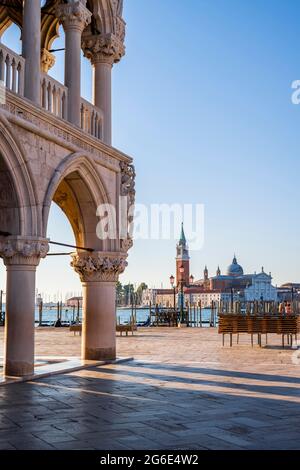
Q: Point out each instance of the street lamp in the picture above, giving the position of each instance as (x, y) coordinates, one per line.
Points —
(181, 270)
(172, 281)
(191, 279)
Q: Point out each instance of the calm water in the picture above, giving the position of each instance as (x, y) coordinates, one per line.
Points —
(67, 315)
(123, 315)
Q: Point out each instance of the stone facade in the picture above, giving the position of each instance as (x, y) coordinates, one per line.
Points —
(57, 147)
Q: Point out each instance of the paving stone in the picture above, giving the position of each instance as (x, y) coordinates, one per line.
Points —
(195, 396)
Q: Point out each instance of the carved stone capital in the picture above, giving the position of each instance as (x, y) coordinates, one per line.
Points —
(73, 15)
(47, 60)
(101, 48)
(99, 266)
(23, 251)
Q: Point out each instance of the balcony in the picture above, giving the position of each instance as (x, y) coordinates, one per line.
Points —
(54, 95)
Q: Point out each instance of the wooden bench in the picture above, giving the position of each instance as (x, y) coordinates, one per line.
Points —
(126, 329)
(236, 324)
(76, 329)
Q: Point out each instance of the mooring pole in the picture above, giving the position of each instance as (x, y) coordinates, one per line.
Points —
(40, 313)
(1, 304)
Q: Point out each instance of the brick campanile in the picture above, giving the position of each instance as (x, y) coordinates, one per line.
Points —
(182, 261)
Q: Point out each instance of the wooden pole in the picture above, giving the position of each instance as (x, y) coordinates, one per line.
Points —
(200, 305)
(40, 313)
(1, 305)
(78, 311)
(212, 313)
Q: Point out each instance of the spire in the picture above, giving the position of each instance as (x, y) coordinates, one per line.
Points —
(218, 271)
(205, 273)
(234, 261)
(182, 240)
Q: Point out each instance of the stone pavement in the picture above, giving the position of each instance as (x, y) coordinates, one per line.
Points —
(183, 391)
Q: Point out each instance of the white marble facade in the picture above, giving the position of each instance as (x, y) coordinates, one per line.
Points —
(261, 288)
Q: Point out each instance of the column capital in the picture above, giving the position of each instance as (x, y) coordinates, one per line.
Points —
(103, 48)
(73, 15)
(24, 251)
(47, 60)
(99, 266)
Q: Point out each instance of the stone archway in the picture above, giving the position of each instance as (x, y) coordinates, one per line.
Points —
(21, 249)
(18, 192)
(77, 188)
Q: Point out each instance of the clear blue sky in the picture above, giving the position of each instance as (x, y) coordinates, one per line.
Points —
(202, 101)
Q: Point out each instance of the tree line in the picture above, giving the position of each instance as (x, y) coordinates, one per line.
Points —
(128, 295)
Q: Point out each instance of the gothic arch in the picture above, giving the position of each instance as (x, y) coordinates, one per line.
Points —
(10, 13)
(78, 190)
(19, 202)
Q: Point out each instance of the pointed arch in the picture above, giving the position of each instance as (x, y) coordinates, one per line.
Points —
(78, 190)
(19, 183)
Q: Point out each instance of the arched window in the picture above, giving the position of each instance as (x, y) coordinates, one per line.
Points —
(11, 63)
(11, 38)
(57, 71)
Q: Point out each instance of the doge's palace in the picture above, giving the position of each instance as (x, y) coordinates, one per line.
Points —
(56, 146)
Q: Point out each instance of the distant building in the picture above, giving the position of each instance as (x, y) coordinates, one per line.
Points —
(160, 297)
(194, 296)
(165, 298)
(261, 288)
(73, 302)
(147, 297)
(288, 292)
(291, 285)
(233, 285)
(251, 287)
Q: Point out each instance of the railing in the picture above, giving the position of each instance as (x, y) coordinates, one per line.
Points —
(91, 119)
(12, 67)
(54, 96)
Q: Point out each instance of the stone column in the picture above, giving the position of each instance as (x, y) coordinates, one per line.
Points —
(21, 257)
(99, 273)
(74, 17)
(31, 45)
(103, 51)
(102, 94)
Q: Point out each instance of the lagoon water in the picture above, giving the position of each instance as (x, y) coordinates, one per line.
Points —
(123, 315)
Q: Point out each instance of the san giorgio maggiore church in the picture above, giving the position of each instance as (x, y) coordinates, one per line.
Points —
(233, 285)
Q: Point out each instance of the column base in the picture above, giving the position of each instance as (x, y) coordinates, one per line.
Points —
(18, 369)
(100, 354)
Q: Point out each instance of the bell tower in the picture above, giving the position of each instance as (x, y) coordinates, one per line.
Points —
(182, 261)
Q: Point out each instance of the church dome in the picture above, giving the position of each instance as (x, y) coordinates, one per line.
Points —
(235, 269)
